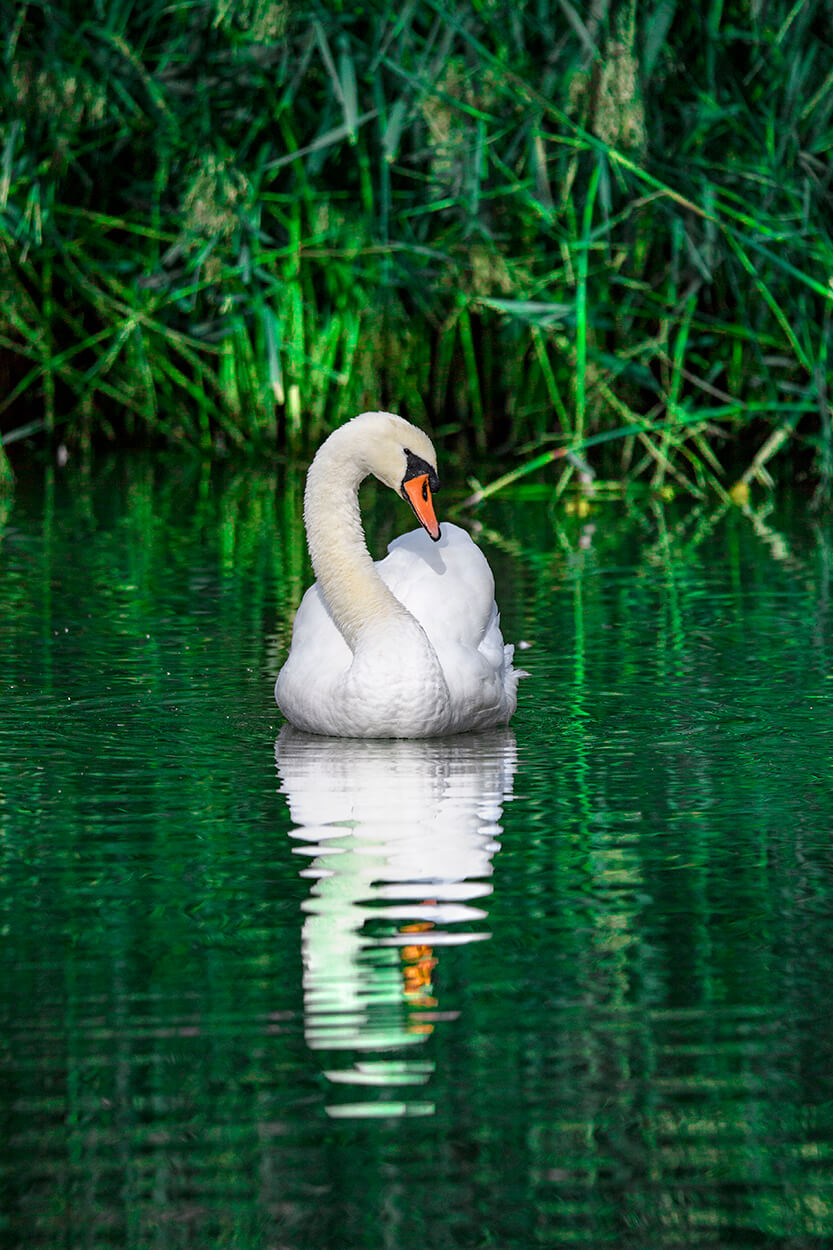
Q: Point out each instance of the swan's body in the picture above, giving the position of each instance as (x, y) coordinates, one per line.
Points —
(408, 647)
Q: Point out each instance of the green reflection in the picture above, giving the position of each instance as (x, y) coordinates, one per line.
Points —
(636, 1052)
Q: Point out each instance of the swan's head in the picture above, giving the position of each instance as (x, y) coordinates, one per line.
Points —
(401, 457)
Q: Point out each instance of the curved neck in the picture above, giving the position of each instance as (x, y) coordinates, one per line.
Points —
(354, 592)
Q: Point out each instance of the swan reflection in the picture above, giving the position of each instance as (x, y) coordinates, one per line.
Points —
(398, 836)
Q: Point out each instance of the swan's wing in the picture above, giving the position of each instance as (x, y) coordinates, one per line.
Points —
(448, 586)
(315, 632)
(318, 658)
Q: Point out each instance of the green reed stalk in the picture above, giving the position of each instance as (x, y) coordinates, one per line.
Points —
(582, 264)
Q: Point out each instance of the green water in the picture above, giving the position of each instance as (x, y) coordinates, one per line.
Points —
(568, 984)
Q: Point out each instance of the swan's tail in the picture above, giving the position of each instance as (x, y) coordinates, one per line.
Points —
(512, 675)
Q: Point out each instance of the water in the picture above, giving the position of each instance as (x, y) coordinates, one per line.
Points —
(564, 984)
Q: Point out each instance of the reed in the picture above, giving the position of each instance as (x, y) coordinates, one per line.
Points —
(231, 226)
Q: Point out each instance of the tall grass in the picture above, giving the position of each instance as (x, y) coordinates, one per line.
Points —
(233, 225)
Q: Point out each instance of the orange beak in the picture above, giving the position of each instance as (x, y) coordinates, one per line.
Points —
(418, 493)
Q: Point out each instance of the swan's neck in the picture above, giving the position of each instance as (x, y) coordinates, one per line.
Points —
(355, 594)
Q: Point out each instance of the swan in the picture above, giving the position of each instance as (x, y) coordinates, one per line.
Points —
(409, 646)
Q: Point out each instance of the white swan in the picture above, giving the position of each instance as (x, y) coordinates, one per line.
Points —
(408, 647)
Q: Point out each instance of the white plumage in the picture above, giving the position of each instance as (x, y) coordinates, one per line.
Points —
(408, 647)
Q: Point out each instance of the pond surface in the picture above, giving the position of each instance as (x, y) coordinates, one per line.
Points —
(564, 984)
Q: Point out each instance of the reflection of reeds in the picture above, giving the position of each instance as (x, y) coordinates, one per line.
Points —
(644, 1038)
(653, 824)
(243, 228)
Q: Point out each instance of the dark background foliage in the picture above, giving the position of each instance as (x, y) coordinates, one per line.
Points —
(233, 225)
